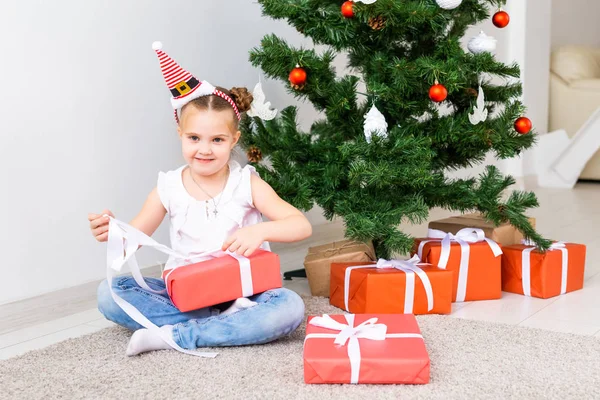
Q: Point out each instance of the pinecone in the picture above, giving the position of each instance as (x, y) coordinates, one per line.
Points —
(254, 154)
(377, 23)
(488, 137)
(472, 92)
(297, 87)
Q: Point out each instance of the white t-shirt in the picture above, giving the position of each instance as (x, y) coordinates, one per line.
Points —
(194, 228)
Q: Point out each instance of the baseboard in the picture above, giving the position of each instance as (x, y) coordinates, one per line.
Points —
(57, 304)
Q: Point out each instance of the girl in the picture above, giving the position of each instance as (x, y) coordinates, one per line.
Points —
(212, 203)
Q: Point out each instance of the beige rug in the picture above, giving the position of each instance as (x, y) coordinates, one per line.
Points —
(469, 360)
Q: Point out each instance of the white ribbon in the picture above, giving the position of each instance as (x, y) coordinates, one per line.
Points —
(410, 268)
(526, 265)
(463, 238)
(350, 334)
(245, 270)
(123, 241)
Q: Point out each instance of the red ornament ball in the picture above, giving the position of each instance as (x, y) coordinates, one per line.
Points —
(438, 92)
(523, 125)
(298, 76)
(348, 9)
(501, 19)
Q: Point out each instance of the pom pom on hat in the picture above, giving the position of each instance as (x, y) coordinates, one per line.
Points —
(157, 45)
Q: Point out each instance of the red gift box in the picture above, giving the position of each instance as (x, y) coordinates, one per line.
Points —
(365, 348)
(222, 279)
(558, 271)
(474, 259)
(391, 287)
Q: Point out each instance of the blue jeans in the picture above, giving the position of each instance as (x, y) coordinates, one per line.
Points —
(278, 313)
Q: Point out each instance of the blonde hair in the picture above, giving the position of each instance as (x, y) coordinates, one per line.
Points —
(241, 97)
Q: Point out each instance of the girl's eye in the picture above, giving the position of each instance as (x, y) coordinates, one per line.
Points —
(194, 138)
(218, 140)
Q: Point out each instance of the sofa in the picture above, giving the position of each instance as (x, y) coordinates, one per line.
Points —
(575, 94)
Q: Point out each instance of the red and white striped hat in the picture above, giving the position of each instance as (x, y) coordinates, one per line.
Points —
(183, 85)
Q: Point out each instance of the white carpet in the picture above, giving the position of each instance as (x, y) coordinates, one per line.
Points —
(469, 360)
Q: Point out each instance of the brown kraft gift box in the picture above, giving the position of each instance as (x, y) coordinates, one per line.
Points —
(504, 234)
(319, 258)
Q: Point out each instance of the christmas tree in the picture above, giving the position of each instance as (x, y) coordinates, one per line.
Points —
(378, 157)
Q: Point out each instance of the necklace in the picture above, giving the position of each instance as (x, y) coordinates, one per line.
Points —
(215, 212)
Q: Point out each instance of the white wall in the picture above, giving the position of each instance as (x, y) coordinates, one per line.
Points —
(575, 22)
(86, 119)
(535, 73)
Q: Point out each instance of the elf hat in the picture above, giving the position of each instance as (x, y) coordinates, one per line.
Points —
(183, 85)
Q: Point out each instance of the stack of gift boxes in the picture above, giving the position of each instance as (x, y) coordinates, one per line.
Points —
(462, 259)
(378, 340)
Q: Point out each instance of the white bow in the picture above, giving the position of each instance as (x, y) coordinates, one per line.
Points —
(367, 330)
(553, 246)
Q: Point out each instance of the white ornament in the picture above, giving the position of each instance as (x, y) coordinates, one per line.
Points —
(366, 1)
(482, 43)
(375, 124)
(259, 108)
(448, 4)
(480, 113)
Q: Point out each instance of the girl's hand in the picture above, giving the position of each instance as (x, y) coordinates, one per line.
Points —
(245, 240)
(99, 225)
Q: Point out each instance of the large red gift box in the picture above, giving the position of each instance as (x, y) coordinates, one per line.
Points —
(365, 348)
(222, 279)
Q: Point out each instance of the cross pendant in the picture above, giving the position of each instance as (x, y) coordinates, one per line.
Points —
(215, 212)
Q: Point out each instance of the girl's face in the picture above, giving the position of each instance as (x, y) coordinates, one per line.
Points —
(207, 138)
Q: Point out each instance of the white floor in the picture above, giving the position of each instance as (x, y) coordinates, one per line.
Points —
(569, 215)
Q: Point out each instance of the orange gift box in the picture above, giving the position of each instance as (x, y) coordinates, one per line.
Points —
(378, 290)
(549, 274)
(385, 349)
(483, 279)
(219, 280)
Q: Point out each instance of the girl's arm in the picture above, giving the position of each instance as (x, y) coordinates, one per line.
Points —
(151, 215)
(147, 221)
(287, 223)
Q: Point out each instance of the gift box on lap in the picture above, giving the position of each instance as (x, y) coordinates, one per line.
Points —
(391, 287)
(559, 270)
(365, 348)
(222, 279)
(474, 259)
(319, 258)
(504, 234)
